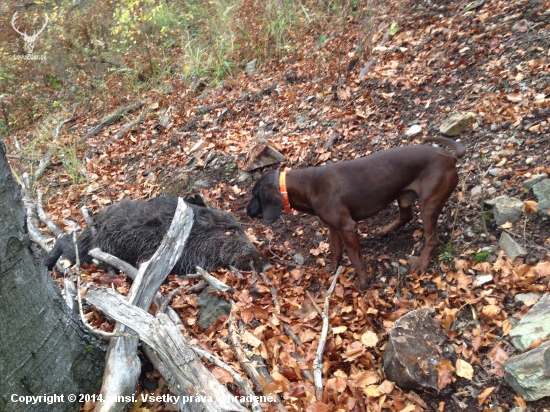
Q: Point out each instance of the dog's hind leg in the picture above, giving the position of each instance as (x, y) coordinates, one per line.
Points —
(431, 205)
(406, 203)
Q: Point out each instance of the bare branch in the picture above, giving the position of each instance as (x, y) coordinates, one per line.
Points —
(318, 362)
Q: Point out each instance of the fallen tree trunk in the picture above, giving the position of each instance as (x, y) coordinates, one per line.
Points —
(122, 366)
(168, 342)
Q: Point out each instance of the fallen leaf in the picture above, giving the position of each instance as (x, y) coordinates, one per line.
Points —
(414, 397)
(369, 339)
(364, 379)
(339, 329)
(514, 97)
(250, 339)
(497, 356)
(317, 406)
(222, 375)
(530, 206)
(464, 369)
(490, 310)
(520, 402)
(386, 387)
(484, 395)
(371, 390)
(543, 269)
(444, 373)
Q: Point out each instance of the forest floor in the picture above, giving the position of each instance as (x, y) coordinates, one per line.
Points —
(318, 108)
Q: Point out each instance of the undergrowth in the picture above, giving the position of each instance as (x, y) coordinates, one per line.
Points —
(99, 52)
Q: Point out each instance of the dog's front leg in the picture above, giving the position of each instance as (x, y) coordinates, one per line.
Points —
(353, 248)
(336, 248)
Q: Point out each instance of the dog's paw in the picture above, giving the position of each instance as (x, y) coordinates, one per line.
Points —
(362, 284)
(417, 265)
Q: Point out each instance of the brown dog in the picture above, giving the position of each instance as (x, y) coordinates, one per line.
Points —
(342, 194)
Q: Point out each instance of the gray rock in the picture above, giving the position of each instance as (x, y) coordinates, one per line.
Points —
(243, 176)
(534, 324)
(302, 122)
(542, 191)
(495, 171)
(490, 191)
(511, 247)
(529, 183)
(250, 67)
(413, 130)
(415, 347)
(476, 192)
(527, 297)
(211, 307)
(299, 259)
(505, 209)
(506, 125)
(494, 127)
(202, 183)
(456, 123)
(529, 373)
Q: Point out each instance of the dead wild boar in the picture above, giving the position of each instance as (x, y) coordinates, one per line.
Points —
(132, 230)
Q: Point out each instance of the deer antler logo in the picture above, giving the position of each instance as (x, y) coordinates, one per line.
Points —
(29, 40)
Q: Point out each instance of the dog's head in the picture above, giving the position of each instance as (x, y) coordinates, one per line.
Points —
(266, 198)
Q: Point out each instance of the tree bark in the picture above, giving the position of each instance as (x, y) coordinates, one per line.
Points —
(44, 350)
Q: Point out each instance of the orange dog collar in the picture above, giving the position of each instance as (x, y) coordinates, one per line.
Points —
(282, 189)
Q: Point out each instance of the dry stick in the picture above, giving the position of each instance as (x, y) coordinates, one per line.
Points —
(212, 281)
(86, 213)
(165, 119)
(32, 221)
(44, 218)
(190, 376)
(318, 362)
(129, 126)
(245, 363)
(199, 287)
(206, 109)
(242, 383)
(132, 272)
(106, 335)
(482, 200)
(46, 160)
(168, 298)
(532, 245)
(122, 363)
(110, 120)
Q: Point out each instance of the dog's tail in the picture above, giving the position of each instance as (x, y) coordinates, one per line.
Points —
(458, 149)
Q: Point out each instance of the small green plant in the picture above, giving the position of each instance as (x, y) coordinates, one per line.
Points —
(394, 28)
(230, 170)
(71, 162)
(486, 217)
(447, 257)
(482, 256)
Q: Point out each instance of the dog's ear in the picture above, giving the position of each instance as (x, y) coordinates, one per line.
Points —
(272, 203)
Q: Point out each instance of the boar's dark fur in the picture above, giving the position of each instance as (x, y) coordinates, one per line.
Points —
(132, 230)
